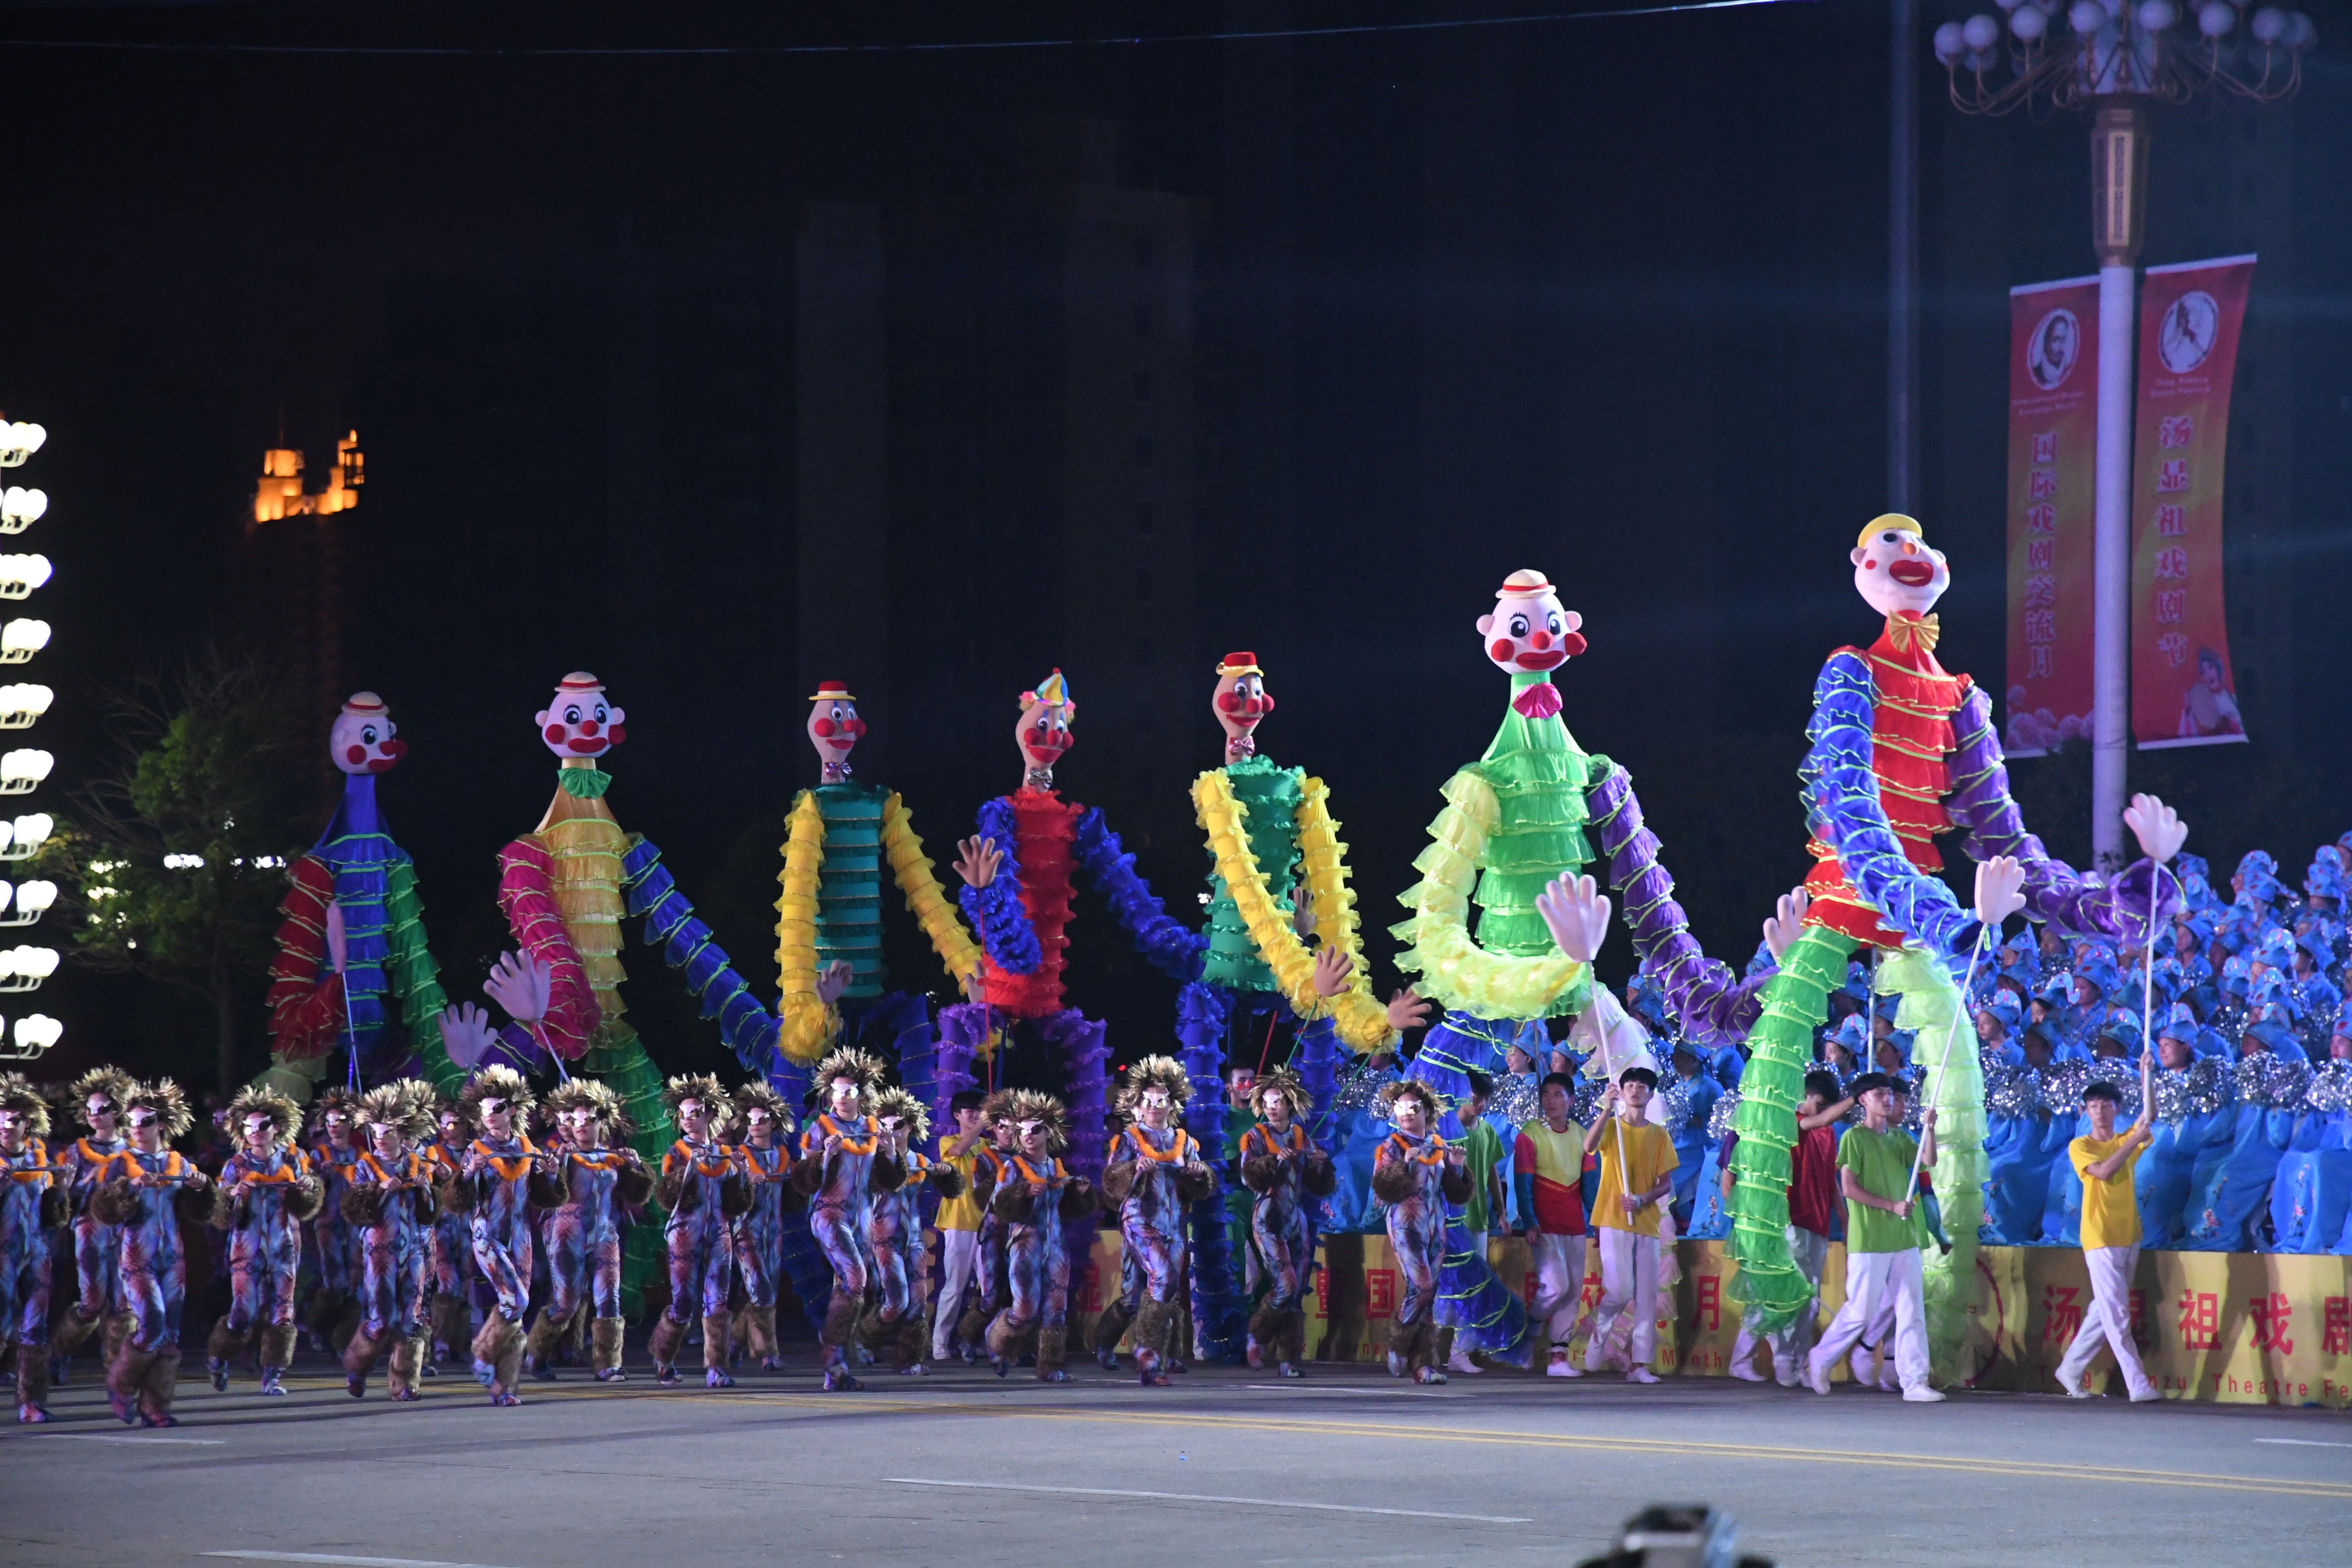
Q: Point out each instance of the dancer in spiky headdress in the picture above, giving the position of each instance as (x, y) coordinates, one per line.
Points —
(1155, 1169)
(992, 1158)
(764, 1159)
(146, 1190)
(392, 1203)
(597, 1185)
(98, 1096)
(1285, 1168)
(452, 1245)
(32, 1205)
(703, 1192)
(1418, 1174)
(333, 1147)
(1037, 1199)
(493, 1188)
(896, 1230)
(842, 1165)
(266, 1191)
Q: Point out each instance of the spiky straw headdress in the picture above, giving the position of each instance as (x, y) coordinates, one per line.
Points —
(1294, 1091)
(603, 1102)
(848, 1062)
(164, 1098)
(997, 1109)
(495, 1083)
(1154, 1072)
(1032, 1105)
(405, 1103)
(760, 1092)
(285, 1116)
(112, 1082)
(898, 1102)
(1411, 1088)
(18, 1094)
(716, 1103)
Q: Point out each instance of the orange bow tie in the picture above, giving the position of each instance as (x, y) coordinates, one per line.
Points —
(1904, 630)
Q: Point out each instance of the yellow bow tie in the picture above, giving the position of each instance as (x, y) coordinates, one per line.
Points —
(1924, 630)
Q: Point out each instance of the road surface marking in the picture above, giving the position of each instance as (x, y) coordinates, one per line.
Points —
(2303, 1443)
(1199, 1496)
(334, 1557)
(1359, 1392)
(108, 1437)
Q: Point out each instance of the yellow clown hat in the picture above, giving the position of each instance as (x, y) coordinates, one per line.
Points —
(1054, 688)
(1885, 520)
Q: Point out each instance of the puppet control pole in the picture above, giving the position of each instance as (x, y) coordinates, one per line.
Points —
(1951, 1039)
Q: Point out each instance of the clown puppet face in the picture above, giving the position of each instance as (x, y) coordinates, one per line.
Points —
(833, 726)
(580, 724)
(1042, 731)
(1239, 698)
(361, 739)
(1528, 632)
(1893, 570)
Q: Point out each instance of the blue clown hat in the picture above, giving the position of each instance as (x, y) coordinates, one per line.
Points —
(2180, 1023)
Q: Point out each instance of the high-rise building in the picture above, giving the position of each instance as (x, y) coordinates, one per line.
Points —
(293, 579)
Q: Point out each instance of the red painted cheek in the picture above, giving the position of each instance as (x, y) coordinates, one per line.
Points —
(822, 729)
(357, 754)
(1571, 643)
(555, 733)
(1870, 565)
(1229, 702)
(1502, 648)
(616, 733)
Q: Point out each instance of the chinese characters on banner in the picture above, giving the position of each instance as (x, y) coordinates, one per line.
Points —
(2054, 424)
(2182, 691)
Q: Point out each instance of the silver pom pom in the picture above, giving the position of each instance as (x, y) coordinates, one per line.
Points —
(1718, 1120)
(1516, 1098)
(2331, 1087)
(2210, 1086)
(2010, 1092)
(2286, 1083)
(2252, 1079)
(2171, 1097)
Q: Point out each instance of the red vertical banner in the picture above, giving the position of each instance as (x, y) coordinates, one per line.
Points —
(2183, 691)
(2053, 427)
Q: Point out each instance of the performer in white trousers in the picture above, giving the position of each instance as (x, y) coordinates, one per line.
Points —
(1812, 1198)
(2110, 1234)
(1548, 1161)
(1875, 1169)
(1637, 1172)
(958, 1221)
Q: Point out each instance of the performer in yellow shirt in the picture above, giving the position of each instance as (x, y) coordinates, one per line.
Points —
(2110, 1234)
(957, 1220)
(1637, 1157)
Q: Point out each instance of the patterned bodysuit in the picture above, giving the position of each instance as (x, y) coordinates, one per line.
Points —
(25, 1248)
(393, 1267)
(583, 1236)
(265, 1239)
(988, 1171)
(759, 1229)
(452, 1245)
(97, 1249)
(336, 1242)
(1152, 1217)
(895, 1235)
(154, 1270)
(1036, 1262)
(695, 1236)
(841, 1217)
(501, 1222)
(1280, 1228)
(1417, 1219)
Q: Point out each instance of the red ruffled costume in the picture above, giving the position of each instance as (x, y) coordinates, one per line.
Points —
(1911, 738)
(1044, 827)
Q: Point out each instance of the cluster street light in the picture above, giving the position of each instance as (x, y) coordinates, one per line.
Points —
(2115, 57)
(21, 770)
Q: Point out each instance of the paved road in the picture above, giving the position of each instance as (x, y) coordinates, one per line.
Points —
(962, 1469)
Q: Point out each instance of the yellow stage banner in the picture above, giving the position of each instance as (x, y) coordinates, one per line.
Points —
(2232, 1327)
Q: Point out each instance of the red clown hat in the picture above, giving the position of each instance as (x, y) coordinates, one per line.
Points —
(831, 691)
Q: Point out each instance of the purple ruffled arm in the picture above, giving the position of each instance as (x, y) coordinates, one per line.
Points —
(1712, 1004)
(1165, 945)
(2144, 897)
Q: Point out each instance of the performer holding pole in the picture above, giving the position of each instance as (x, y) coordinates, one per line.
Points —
(2110, 1234)
(1883, 1228)
(1637, 1175)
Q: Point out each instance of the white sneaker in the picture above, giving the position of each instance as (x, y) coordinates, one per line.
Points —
(1817, 1376)
(1784, 1372)
(2144, 1393)
(1594, 1355)
(2075, 1390)
(1396, 1365)
(1745, 1371)
(1889, 1380)
(1560, 1366)
(1861, 1366)
(1460, 1361)
(1640, 1375)
(1923, 1394)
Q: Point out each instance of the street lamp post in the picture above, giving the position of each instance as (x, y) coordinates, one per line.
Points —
(21, 770)
(2121, 56)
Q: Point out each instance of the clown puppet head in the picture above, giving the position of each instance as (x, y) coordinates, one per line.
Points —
(362, 740)
(1240, 702)
(1042, 731)
(1528, 633)
(580, 725)
(1893, 570)
(834, 728)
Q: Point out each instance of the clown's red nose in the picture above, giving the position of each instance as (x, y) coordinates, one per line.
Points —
(588, 726)
(1540, 641)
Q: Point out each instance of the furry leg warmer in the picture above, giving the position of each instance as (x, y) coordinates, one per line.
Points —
(874, 1332)
(540, 1343)
(277, 1346)
(1111, 1327)
(912, 1343)
(718, 1332)
(668, 1334)
(972, 1328)
(72, 1330)
(225, 1343)
(126, 1374)
(1294, 1336)
(840, 1319)
(1051, 1342)
(759, 1324)
(407, 1356)
(508, 1367)
(1152, 1322)
(118, 1334)
(1265, 1326)
(161, 1382)
(32, 1378)
(360, 1354)
(607, 1347)
(1007, 1336)
(452, 1324)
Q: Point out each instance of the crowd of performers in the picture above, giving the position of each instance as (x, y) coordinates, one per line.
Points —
(416, 1185)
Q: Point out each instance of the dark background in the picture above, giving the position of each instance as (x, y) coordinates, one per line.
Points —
(1605, 298)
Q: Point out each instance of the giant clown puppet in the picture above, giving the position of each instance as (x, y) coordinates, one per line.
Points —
(1903, 751)
(1278, 877)
(352, 970)
(1016, 875)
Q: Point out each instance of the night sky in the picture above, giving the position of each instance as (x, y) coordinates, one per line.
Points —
(1604, 298)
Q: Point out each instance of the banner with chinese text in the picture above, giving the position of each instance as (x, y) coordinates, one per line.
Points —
(2183, 691)
(2053, 427)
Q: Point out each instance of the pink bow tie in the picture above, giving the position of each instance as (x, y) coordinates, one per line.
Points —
(1540, 701)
